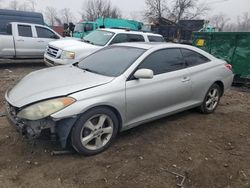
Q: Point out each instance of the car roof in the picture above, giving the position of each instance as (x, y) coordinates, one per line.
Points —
(163, 45)
(25, 23)
(129, 31)
(149, 45)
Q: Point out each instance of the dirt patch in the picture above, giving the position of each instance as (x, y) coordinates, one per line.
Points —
(210, 150)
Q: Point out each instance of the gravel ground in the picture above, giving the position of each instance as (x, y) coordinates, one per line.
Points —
(209, 150)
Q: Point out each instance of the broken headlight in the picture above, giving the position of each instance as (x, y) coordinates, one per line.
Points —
(45, 108)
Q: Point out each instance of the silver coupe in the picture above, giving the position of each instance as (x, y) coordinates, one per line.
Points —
(119, 87)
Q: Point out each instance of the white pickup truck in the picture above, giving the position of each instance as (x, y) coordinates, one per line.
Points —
(63, 52)
(25, 41)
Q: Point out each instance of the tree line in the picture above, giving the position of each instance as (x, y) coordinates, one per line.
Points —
(92, 9)
(173, 10)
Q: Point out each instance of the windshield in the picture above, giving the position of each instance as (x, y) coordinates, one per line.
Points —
(98, 37)
(78, 28)
(111, 61)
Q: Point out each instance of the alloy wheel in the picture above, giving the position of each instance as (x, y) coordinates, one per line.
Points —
(97, 131)
(212, 99)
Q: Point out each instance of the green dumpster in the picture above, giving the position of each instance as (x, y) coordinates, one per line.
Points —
(234, 47)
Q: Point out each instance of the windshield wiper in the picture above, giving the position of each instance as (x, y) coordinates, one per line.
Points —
(89, 70)
(88, 41)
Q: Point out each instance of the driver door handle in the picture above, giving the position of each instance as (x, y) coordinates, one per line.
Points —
(185, 79)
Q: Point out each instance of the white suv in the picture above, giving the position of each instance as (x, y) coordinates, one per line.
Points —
(67, 51)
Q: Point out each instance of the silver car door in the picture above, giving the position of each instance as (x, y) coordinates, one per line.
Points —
(24, 42)
(201, 73)
(169, 90)
(44, 36)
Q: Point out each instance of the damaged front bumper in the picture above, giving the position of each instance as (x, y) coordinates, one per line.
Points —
(59, 129)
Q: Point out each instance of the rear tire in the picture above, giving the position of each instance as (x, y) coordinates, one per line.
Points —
(211, 100)
(94, 131)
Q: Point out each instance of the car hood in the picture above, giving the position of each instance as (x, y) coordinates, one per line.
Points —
(71, 44)
(53, 82)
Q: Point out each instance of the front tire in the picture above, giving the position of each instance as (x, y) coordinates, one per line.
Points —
(94, 131)
(211, 99)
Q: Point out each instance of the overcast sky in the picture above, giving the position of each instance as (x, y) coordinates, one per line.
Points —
(232, 8)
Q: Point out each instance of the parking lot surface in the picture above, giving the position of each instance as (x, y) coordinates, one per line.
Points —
(209, 150)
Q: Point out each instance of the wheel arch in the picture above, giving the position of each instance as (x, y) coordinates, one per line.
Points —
(117, 113)
(221, 85)
(115, 110)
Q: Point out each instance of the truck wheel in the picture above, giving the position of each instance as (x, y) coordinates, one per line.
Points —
(94, 131)
(211, 100)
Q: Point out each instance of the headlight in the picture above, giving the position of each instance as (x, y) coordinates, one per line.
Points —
(68, 55)
(44, 109)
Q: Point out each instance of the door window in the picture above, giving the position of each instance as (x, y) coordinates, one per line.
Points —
(9, 29)
(24, 31)
(119, 38)
(135, 38)
(88, 27)
(45, 33)
(164, 61)
(193, 58)
(155, 38)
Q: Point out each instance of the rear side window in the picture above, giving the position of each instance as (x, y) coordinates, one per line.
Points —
(45, 33)
(135, 38)
(193, 58)
(155, 39)
(24, 31)
(164, 61)
(119, 38)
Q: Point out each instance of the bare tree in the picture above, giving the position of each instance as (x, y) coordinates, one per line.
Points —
(230, 27)
(156, 8)
(179, 8)
(187, 9)
(66, 15)
(135, 15)
(24, 6)
(175, 10)
(244, 22)
(93, 9)
(28, 5)
(219, 21)
(32, 5)
(14, 5)
(51, 15)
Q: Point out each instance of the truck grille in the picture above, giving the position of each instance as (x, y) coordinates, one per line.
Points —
(53, 52)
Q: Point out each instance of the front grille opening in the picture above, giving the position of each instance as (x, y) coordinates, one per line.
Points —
(51, 51)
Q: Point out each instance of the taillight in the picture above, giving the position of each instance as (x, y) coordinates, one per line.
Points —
(229, 66)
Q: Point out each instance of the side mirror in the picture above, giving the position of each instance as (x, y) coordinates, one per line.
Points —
(144, 74)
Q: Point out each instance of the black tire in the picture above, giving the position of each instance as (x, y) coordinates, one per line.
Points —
(77, 131)
(204, 107)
